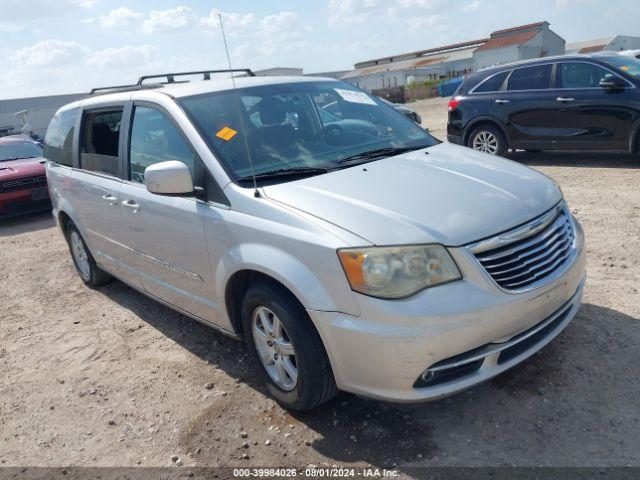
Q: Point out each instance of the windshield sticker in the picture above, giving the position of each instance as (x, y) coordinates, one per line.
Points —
(355, 97)
(625, 68)
(226, 133)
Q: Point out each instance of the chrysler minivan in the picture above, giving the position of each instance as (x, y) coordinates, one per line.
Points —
(351, 251)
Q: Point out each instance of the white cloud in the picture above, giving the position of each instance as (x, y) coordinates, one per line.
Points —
(10, 27)
(71, 67)
(48, 53)
(121, 57)
(169, 21)
(430, 22)
(416, 3)
(260, 37)
(472, 6)
(355, 11)
(351, 12)
(88, 4)
(120, 17)
(569, 3)
(232, 21)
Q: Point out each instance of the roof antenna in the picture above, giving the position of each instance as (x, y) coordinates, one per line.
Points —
(256, 192)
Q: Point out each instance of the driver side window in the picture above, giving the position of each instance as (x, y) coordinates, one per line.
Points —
(580, 75)
(155, 139)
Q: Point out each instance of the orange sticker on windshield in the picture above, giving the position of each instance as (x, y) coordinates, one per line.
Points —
(226, 133)
(624, 68)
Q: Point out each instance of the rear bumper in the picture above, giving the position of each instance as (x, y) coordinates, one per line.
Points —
(470, 324)
(457, 139)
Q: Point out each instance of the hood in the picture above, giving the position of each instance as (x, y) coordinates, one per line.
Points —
(27, 167)
(445, 194)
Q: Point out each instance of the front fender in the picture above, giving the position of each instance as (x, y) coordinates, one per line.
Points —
(317, 287)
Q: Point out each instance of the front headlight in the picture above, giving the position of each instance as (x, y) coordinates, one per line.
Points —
(397, 272)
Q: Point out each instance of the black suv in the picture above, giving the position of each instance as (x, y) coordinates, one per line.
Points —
(573, 102)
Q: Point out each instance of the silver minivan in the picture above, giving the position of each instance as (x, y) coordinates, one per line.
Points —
(349, 248)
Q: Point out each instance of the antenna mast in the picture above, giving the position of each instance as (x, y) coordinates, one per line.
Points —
(256, 192)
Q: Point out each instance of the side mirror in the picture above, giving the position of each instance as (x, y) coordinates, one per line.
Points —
(613, 82)
(168, 178)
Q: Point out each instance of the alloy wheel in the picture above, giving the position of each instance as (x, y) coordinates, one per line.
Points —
(274, 348)
(80, 255)
(486, 142)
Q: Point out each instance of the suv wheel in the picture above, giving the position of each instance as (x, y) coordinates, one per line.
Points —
(488, 139)
(86, 266)
(283, 341)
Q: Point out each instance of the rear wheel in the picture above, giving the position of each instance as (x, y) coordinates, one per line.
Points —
(488, 139)
(285, 344)
(86, 266)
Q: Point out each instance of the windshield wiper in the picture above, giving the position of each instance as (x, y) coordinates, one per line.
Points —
(284, 173)
(379, 153)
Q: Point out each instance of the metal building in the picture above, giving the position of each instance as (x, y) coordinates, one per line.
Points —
(612, 43)
(503, 46)
(435, 63)
(31, 115)
(519, 43)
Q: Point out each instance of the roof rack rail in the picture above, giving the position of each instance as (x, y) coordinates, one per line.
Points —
(170, 78)
(122, 88)
(206, 75)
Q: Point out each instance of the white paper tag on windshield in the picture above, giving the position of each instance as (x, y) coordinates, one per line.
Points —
(355, 97)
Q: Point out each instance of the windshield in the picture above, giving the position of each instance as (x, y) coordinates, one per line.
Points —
(300, 126)
(628, 65)
(16, 150)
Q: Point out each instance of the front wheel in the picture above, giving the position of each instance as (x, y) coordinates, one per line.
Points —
(283, 341)
(488, 139)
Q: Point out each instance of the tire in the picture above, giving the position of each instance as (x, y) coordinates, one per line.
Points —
(264, 306)
(488, 139)
(86, 266)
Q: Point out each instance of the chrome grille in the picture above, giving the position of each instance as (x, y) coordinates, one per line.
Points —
(530, 255)
(24, 181)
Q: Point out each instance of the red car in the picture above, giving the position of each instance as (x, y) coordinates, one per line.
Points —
(23, 184)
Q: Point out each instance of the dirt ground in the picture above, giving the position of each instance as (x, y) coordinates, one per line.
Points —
(111, 378)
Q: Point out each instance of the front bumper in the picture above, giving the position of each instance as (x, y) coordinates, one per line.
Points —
(383, 352)
(22, 202)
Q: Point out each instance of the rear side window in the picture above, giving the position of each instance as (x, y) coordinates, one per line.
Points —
(491, 84)
(100, 140)
(530, 78)
(58, 142)
(580, 75)
(154, 139)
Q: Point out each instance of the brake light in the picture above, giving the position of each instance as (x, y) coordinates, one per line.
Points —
(454, 102)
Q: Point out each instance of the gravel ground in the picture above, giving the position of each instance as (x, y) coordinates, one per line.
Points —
(111, 378)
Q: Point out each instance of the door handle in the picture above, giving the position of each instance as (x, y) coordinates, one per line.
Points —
(132, 205)
(564, 99)
(110, 198)
(502, 101)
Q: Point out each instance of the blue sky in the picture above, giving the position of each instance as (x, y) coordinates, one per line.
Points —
(64, 46)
